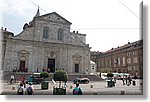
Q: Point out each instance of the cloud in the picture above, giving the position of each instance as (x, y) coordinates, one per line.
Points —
(19, 7)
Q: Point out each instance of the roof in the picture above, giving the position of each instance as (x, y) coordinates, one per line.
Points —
(55, 14)
(128, 46)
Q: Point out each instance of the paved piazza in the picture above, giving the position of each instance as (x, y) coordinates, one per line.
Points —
(99, 88)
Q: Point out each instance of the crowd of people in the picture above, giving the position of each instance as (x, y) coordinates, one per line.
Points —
(24, 88)
(126, 80)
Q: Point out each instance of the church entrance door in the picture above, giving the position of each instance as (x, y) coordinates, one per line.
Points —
(22, 66)
(51, 65)
(76, 68)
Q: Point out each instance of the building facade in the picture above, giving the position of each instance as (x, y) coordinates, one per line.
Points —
(124, 59)
(46, 42)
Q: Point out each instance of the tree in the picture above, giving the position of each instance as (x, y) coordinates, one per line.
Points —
(60, 75)
(44, 75)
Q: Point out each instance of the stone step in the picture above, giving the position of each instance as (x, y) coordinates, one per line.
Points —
(71, 77)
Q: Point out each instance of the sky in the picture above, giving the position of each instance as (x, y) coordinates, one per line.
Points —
(106, 23)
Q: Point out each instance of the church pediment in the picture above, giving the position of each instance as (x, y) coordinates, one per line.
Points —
(76, 56)
(23, 52)
(54, 17)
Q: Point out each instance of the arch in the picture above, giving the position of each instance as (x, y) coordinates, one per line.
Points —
(52, 54)
(77, 65)
(23, 57)
(45, 32)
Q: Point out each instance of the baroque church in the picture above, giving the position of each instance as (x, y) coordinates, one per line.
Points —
(46, 42)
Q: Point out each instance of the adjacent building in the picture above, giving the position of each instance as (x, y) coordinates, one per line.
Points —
(124, 59)
(46, 42)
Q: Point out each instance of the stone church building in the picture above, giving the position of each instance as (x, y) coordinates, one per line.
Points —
(46, 42)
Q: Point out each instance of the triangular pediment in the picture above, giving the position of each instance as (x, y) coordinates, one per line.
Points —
(55, 17)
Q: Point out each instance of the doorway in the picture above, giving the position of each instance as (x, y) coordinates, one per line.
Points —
(76, 68)
(51, 65)
(22, 66)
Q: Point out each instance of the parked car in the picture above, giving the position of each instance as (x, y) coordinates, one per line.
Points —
(81, 80)
(36, 78)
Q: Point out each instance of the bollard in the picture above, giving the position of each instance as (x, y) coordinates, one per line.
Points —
(13, 87)
(122, 92)
(70, 87)
(133, 82)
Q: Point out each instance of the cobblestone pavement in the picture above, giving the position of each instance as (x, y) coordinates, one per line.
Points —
(93, 88)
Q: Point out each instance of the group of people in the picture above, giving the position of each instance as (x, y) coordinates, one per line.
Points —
(21, 90)
(126, 80)
(21, 87)
(20, 70)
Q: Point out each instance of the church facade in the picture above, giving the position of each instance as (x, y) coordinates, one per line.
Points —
(46, 42)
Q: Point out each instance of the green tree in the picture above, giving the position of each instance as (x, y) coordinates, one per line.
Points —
(60, 75)
(44, 75)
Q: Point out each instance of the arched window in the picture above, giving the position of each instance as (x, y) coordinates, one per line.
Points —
(45, 32)
(60, 34)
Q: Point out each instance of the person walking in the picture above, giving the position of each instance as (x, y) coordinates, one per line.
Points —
(129, 79)
(126, 79)
(23, 81)
(77, 90)
(12, 78)
(30, 89)
(123, 79)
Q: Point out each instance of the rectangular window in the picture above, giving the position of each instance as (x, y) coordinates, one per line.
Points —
(123, 61)
(128, 53)
(134, 67)
(119, 61)
(110, 62)
(105, 63)
(135, 60)
(129, 68)
(102, 63)
(128, 60)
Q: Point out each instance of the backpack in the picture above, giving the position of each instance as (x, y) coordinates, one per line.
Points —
(80, 92)
(77, 91)
(20, 91)
(29, 90)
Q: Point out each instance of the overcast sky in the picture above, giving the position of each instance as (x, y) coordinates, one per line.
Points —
(106, 23)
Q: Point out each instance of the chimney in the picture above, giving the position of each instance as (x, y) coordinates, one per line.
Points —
(73, 31)
(5, 29)
(76, 31)
(128, 42)
(1, 28)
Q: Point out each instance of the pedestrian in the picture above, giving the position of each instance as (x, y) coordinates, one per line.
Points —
(37, 70)
(77, 90)
(20, 90)
(123, 79)
(129, 79)
(126, 79)
(15, 69)
(23, 81)
(30, 79)
(12, 78)
(30, 89)
(65, 85)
